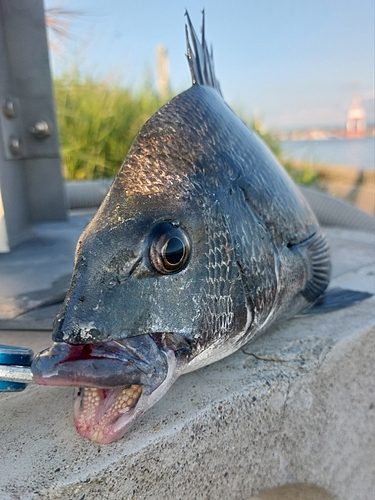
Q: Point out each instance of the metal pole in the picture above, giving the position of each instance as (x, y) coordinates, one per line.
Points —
(31, 184)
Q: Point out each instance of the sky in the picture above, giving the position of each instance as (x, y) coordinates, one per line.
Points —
(291, 63)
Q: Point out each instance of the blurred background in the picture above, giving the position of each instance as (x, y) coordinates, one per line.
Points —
(300, 73)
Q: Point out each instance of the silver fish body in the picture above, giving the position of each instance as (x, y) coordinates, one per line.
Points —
(202, 242)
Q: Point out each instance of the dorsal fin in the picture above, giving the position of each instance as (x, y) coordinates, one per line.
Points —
(201, 62)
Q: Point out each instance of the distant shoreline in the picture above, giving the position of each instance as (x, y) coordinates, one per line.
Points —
(346, 153)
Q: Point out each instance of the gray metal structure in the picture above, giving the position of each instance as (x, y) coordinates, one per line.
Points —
(31, 184)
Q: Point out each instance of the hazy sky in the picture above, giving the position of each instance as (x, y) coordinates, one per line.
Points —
(292, 62)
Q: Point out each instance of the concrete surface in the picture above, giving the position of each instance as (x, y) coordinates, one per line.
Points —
(294, 492)
(35, 276)
(296, 406)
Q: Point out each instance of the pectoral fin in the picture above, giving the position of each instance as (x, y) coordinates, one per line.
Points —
(315, 253)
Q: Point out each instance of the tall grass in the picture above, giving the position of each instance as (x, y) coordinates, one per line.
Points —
(98, 122)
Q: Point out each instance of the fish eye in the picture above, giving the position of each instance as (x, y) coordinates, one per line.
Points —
(169, 249)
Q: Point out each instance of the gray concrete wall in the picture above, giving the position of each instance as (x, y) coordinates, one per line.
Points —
(294, 406)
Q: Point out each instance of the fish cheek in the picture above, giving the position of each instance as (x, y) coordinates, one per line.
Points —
(173, 303)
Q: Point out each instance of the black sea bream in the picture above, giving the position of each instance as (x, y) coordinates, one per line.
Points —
(202, 242)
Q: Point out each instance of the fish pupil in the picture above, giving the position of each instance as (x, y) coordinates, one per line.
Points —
(174, 251)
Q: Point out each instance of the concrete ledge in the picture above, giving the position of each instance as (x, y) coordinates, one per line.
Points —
(294, 406)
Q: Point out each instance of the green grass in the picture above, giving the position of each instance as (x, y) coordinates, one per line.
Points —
(98, 122)
(304, 174)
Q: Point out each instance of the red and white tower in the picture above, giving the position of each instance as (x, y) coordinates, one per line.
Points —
(356, 119)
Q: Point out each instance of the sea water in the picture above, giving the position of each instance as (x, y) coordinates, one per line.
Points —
(357, 153)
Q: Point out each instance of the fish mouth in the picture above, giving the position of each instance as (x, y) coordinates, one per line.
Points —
(116, 381)
(104, 415)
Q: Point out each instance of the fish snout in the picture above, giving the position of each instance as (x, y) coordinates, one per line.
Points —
(78, 332)
(81, 321)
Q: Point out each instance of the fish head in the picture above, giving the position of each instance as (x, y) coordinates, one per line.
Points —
(155, 282)
(133, 274)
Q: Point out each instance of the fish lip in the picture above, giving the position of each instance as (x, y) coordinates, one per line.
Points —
(137, 360)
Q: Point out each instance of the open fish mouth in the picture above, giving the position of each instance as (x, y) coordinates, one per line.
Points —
(117, 381)
(104, 415)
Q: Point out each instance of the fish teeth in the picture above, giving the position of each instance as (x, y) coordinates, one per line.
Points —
(127, 398)
(90, 405)
(97, 435)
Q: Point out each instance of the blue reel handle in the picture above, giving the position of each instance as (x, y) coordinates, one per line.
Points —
(15, 358)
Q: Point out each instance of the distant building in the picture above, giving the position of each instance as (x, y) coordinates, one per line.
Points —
(356, 119)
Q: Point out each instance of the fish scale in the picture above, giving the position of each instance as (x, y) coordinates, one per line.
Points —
(216, 309)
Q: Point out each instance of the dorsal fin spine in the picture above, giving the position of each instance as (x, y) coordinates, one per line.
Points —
(200, 60)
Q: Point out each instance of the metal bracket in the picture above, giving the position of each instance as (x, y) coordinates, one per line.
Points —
(25, 133)
(31, 183)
